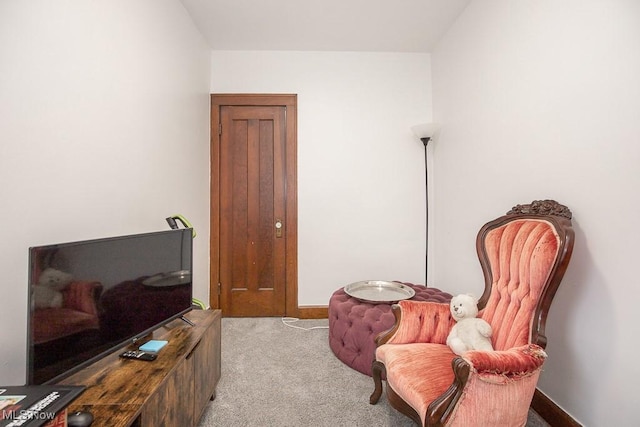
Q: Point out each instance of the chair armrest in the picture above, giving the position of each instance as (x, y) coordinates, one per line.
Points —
(512, 363)
(418, 321)
(513, 371)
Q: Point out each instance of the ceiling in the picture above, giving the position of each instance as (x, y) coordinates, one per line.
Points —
(324, 25)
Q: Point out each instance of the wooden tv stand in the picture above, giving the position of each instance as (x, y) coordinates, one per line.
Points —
(172, 390)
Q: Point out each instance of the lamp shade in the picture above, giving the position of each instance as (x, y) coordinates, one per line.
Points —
(425, 130)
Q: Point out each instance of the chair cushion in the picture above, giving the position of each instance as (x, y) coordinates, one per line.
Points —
(50, 324)
(418, 373)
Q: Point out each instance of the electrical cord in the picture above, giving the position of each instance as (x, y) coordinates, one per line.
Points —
(287, 321)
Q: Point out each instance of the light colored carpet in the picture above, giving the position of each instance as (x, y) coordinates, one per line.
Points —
(277, 376)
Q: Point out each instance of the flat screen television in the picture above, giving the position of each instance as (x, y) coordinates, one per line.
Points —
(92, 297)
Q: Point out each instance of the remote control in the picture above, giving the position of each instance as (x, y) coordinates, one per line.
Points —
(140, 355)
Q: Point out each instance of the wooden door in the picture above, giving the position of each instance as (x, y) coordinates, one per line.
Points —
(252, 209)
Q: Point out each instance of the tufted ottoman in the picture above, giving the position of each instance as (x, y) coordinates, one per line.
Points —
(354, 324)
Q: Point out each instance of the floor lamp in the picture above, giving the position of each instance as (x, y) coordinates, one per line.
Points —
(425, 133)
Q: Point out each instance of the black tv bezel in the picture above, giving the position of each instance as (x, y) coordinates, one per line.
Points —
(117, 346)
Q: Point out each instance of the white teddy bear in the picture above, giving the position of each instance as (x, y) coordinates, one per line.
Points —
(470, 333)
(46, 293)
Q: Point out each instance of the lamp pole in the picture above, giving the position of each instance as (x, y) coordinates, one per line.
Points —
(425, 141)
(425, 133)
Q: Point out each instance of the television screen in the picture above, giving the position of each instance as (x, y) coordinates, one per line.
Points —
(90, 297)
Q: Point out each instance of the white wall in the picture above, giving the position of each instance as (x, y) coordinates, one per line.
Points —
(541, 100)
(360, 170)
(104, 118)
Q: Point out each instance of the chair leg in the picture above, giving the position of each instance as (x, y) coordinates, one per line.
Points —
(377, 368)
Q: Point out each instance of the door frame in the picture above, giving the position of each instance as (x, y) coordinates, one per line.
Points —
(290, 102)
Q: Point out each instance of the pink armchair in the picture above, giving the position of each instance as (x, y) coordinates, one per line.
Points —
(523, 255)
